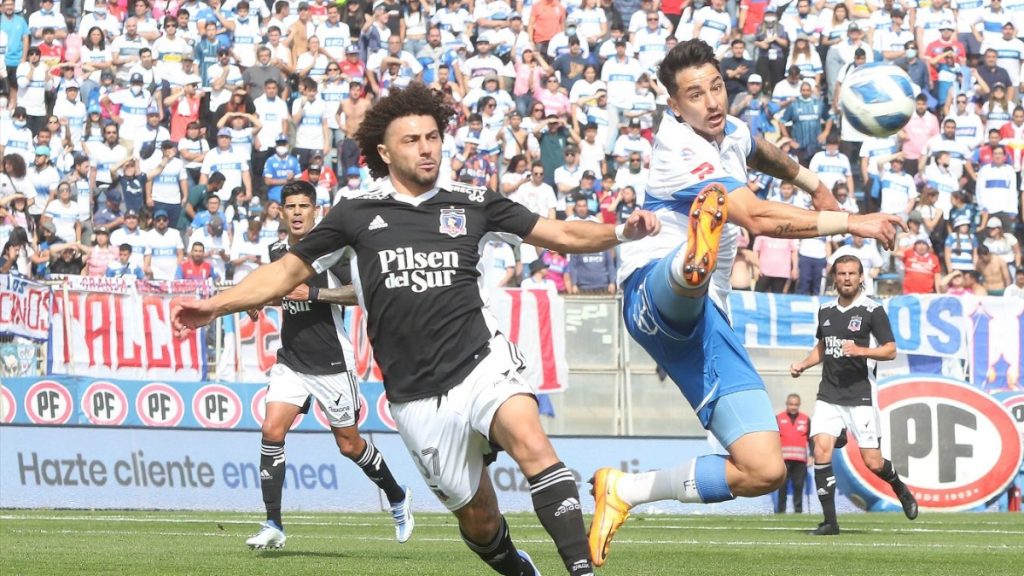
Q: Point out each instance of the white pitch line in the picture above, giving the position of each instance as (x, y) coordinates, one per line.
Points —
(690, 542)
(361, 523)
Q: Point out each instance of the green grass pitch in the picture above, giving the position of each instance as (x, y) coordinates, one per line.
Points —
(65, 543)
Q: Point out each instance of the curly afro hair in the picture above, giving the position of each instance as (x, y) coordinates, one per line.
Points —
(415, 100)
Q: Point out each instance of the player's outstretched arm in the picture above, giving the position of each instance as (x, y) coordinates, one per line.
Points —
(778, 220)
(816, 355)
(582, 237)
(266, 283)
(342, 296)
(768, 158)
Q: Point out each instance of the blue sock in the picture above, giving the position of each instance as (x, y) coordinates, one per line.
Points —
(710, 476)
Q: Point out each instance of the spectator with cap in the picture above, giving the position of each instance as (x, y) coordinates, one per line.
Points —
(100, 255)
(164, 249)
(961, 250)
(147, 141)
(230, 163)
(133, 235)
(754, 106)
(210, 206)
(167, 184)
(353, 183)
(1001, 244)
(538, 277)
(109, 216)
(946, 44)
(17, 137)
(632, 142)
(42, 175)
(134, 103)
(70, 112)
(280, 168)
(66, 262)
(470, 74)
(123, 267)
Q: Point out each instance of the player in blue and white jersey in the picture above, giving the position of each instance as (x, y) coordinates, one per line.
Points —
(675, 289)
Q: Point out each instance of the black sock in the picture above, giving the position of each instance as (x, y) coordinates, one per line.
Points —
(825, 481)
(272, 478)
(376, 469)
(500, 554)
(556, 499)
(888, 473)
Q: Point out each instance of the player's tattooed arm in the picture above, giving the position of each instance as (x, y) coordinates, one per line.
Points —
(771, 160)
(343, 296)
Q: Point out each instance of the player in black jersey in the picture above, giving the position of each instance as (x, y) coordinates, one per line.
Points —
(316, 359)
(453, 380)
(853, 335)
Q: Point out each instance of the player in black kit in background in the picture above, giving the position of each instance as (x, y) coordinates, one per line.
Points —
(853, 335)
(316, 359)
(453, 380)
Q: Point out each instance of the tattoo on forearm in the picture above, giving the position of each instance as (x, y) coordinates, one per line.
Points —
(768, 158)
(344, 296)
(787, 229)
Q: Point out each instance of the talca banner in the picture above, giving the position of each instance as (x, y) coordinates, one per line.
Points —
(534, 319)
(24, 308)
(117, 328)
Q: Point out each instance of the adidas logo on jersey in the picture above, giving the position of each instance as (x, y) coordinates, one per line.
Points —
(567, 505)
(264, 474)
(827, 323)
(377, 223)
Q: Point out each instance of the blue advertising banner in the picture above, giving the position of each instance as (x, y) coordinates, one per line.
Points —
(91, 467)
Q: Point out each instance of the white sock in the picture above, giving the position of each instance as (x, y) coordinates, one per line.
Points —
(676, 483)
(678, 265)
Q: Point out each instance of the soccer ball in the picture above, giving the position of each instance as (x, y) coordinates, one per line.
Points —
(877, 99)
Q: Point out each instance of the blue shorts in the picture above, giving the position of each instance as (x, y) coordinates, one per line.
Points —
(706, 361)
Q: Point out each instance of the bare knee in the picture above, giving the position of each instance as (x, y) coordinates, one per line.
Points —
(769, 476)
(272, 433)
(350, 443)
(479, 523)
(873, 460)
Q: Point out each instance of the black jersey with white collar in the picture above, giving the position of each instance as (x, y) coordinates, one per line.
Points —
(849, 381)
(416, 260)
(313, 337)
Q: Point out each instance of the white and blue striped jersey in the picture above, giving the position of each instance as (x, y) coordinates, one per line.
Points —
(830, 168)
(682, 164)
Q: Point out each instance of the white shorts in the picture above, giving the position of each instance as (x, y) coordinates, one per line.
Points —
(337, 394)
(861, 421)
(448, 435)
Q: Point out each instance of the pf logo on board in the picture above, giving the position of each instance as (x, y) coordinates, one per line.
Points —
(954, 445)
(159, 405)
(104, 404)
(8, 405)
(48, 402)
(216, 406)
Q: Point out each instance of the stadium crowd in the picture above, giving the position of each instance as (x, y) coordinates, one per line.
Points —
(151, 138)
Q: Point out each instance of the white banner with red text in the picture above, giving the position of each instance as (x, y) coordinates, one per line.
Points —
(24, 308)
(533, 319)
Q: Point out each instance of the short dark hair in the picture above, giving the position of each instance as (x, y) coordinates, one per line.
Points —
(126, 247)
(415, 100)
(845, 258)
(690, 54)
(298, 188)
(198, 243)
